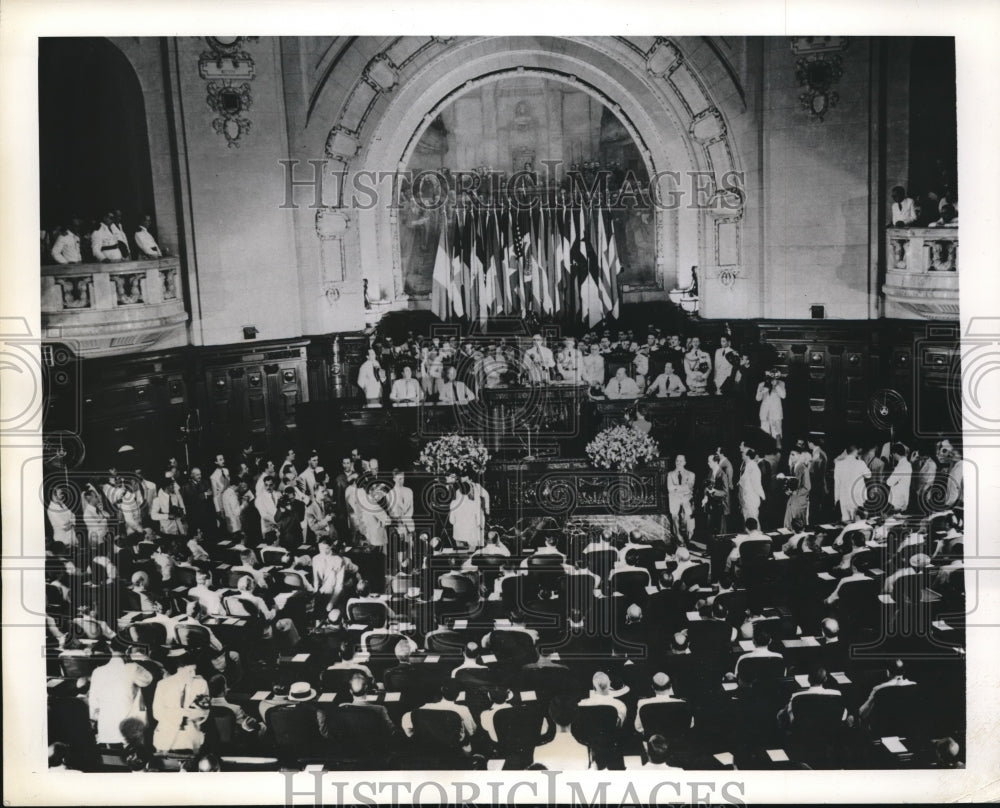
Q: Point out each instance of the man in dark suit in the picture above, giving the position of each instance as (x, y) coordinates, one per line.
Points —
(200, 505)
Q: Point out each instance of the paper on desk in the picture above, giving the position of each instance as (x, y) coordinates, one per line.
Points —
(725, 758)
(777, 755)
(260, 695)
(392, 697)
(940, 625)
(784, 531)
(746, 645)
(802, 680)
(729, 686)
(432, 658)
(300, 658)
(325, 697)
(825, 576)
(528, 695)
(894, 745)
(841, 678)
(811, 641)
(460, 624)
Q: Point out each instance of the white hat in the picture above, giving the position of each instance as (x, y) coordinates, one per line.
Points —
(301, 691)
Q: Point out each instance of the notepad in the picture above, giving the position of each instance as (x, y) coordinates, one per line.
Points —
(810, 641)
(802, 680)
(357, 627)
(300, 658)
(432, 659)
(326, 697)
(725, 758)
(660, 565)
(391, 697)
(693, 616)
(371, 697)
(260, 695)
(841, 678)
(487, 659)
(894, 745)
(746, 645)
(777, 755)
(528, 695)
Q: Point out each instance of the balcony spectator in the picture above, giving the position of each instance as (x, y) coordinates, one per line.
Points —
(904, 213)
(144, 241)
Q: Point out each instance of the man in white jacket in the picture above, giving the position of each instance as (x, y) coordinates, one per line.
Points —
(850, 473)
(751, 492)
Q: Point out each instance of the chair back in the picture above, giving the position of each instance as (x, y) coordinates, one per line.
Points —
(751, 671)
(515, 647)
(193, 636)
(184, 576)
(293, 727)
(223, 721)
(440, 729)
(896, 710)
(669, 718)
(383, 643)
(695, 576)
(518, 730)
(631, 583)
(817, 713)
(151, 635)
(371, 613)
(235, 606)
(596, 726)
(459, 587)
(362, 729)
(601, 562)
(445, 642)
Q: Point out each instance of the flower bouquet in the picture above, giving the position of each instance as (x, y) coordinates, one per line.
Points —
(455, 454)
(621, 448)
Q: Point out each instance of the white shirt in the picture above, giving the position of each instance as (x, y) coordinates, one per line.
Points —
(622, 388)
(899, 485)
(667, 385)
(593, 368)
(220, 481)
(904, 212)
(114, 696)
(104, 245)
(406, 391)
(147, 244)
(454, 392)
(66, 250)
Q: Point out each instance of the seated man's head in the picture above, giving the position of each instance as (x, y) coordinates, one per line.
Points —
(657, 749)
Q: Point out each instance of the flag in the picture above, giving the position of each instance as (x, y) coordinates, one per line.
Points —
(441, 281)
(480, 266)
(543, 263)
(494, 274)
(456, 291)
(613, 265)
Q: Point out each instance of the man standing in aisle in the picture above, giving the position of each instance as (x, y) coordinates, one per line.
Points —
(751, 491)
(220, 482)
(849, 475)
(680, 490)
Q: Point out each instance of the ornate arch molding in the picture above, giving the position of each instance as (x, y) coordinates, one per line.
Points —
(657, 94)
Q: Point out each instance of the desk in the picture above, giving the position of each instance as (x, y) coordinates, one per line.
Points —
(681, 421)
(563, 487)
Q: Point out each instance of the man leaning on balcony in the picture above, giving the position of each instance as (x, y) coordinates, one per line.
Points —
(904, 213)
(103, 241)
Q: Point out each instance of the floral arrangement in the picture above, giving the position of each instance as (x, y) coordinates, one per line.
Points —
(455, 454)
(622, 448)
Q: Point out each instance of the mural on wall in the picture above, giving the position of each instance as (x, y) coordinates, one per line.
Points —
(546, 128)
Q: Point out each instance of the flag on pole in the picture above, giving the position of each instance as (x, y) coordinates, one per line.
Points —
(456, 290)
(441, 281)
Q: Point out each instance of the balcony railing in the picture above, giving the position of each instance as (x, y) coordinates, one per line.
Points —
(112, 308)
(921, 278)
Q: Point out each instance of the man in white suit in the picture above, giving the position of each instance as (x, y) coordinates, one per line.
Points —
(452, 391)
(570, 365)
(401, 505)
(371, 378)
(849, 487)
(680, 490)
(751, 492)
(220, 482)
(539, 361)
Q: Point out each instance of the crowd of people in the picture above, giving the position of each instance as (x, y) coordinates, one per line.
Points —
(936, 208)
(99, 241)
(273, 610)
(622, 364)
